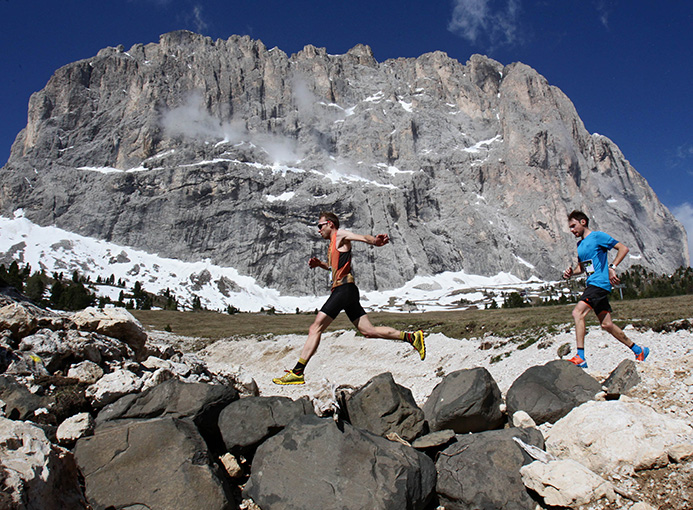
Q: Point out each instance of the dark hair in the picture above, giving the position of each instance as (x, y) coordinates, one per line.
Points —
(579, 216)
(330, 216)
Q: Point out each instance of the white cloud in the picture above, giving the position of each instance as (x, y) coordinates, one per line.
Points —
(604, 10)
(684, 213)
(200, 24)
(480, 22)
(684, 152)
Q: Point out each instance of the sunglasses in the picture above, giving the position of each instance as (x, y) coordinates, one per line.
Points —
(322, 224)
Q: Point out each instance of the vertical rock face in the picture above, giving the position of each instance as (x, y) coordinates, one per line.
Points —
(193, 148)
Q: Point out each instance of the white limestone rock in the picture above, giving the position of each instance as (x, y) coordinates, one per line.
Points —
(565, 483)
(616, 436)
(112, 386)
(155, 378)
(233, 468)
(86, 371)
(522, 420)
(75, 427)
(38, 473)
(114, 322)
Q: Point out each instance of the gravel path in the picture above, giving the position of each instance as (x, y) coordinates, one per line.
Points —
(346, 359)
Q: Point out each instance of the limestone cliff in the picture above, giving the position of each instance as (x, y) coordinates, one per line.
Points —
(193, 148)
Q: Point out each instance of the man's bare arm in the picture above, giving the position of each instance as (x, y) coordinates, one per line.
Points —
(379, 240)
(622, 250)
(572, 272)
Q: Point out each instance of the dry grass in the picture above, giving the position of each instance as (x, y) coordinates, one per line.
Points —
(456, 324)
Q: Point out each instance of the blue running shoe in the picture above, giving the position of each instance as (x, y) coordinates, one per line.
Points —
(643, 354)
(577, 360)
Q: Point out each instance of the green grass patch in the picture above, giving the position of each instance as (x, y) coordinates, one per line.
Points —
(531, 322)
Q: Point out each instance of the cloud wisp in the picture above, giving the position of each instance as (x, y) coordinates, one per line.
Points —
(192, 121)
(200, 24)
(484, 22)
(604, 10)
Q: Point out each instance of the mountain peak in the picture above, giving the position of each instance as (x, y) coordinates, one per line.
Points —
(195, 149)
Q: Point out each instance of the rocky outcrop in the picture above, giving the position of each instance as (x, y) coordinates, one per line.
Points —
(226, 150)
(189, 441)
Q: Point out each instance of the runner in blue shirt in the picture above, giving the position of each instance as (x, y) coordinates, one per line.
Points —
(593, 249)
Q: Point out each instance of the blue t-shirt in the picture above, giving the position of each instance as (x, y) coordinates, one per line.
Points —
(592, 255)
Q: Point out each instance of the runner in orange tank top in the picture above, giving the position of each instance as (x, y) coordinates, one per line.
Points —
(344, 296)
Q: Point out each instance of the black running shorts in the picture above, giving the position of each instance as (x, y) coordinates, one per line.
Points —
(597, 299)
(345, 297)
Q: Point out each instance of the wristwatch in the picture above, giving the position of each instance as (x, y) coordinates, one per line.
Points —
(612, 266)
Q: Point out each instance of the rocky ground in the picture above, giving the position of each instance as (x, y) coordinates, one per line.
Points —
(347, 359)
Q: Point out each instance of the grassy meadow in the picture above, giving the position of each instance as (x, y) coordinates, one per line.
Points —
(652, 313)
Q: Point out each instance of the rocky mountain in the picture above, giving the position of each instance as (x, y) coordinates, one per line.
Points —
(226, 150)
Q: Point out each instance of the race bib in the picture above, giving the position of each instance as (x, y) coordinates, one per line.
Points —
(588, 267)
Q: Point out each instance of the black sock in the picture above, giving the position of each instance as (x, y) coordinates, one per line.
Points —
(300, 366)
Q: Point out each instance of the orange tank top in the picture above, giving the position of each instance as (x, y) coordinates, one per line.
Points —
(340, 262)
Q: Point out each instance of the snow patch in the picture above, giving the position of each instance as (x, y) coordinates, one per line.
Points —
(479, 146)
(111, 170)
(54, 250)
(524, 262)
(284, 197)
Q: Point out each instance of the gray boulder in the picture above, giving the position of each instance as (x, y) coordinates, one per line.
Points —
(465, 401)
(340, 468)
(20, 403)
(623, 378)
(161, 463)
(434, 440)
(149, 404)
(482, 471)
(202, 403)
(247, 422)
(548, 392)
(382, 406)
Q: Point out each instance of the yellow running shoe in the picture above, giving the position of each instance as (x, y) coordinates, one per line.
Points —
(289, 378)
(419, 344)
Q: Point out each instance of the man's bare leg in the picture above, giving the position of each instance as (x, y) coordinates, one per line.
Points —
(295, 375)
(367, 329)
(608, 326)
(641, 353)
(319, 326)
(579, 314)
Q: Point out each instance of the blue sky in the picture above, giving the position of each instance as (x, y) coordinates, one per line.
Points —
(627, 65)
